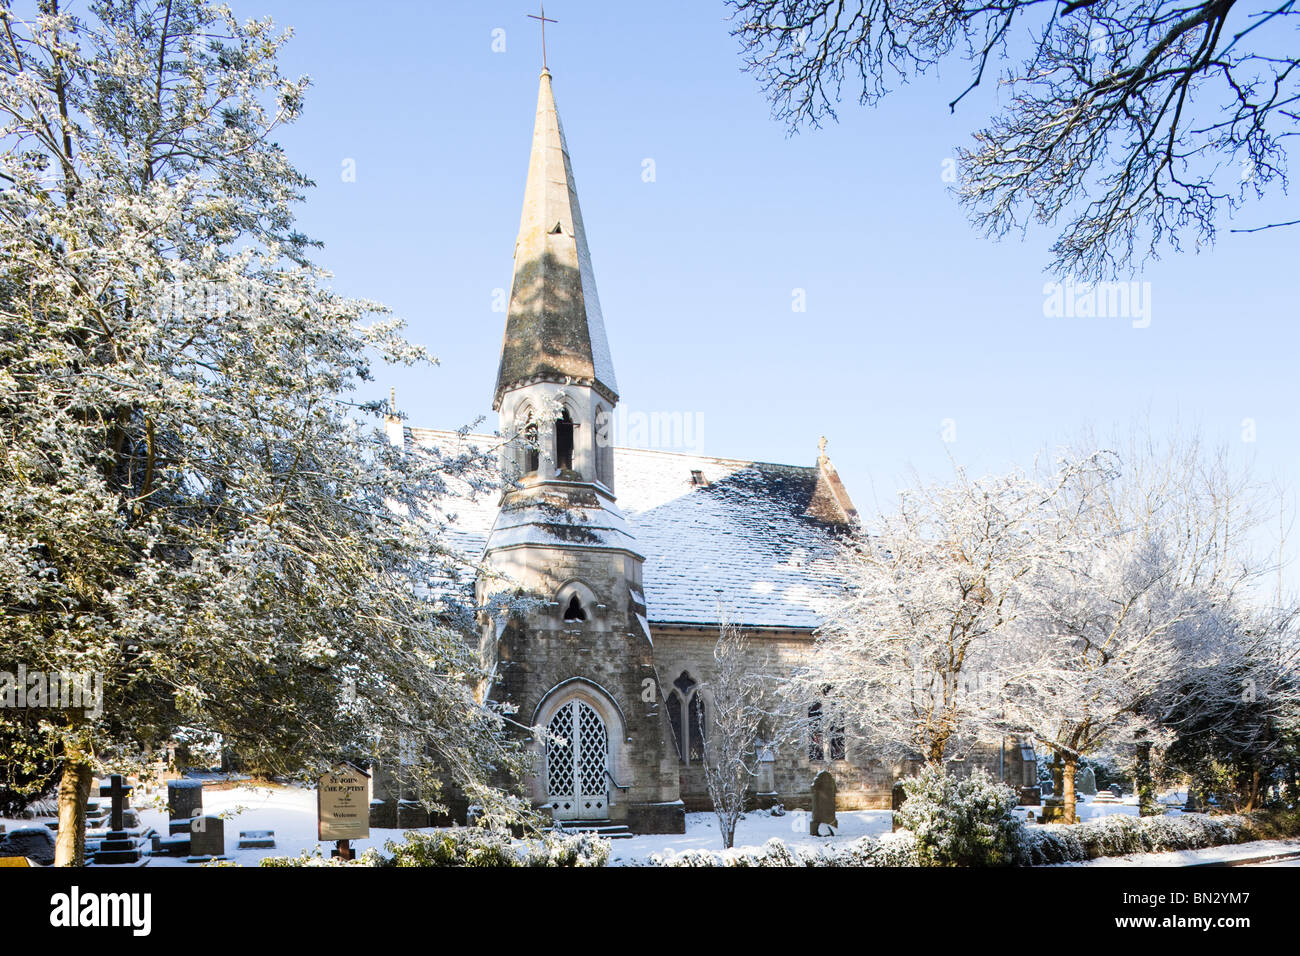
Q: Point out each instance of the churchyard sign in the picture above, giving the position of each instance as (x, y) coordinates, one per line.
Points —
(343, 804)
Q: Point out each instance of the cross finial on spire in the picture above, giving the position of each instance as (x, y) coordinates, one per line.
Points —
(821, 447)
(544, 19)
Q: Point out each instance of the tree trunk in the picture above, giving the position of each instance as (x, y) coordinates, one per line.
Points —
(1067, 785)
(74, 792)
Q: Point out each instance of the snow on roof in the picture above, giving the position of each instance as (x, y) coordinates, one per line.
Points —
(758, 540)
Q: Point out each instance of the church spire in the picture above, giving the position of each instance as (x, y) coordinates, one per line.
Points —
(554, 329)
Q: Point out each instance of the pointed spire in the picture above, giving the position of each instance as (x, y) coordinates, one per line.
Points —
(554, 329)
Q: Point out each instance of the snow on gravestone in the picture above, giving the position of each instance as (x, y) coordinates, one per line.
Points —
(1086, 782)
(823, 803)
(343, 804)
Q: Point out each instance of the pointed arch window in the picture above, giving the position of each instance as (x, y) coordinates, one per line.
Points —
(824, 743)
(688, 719)
(674, 705)
(696, 728)
(532, 454)
(564, 427)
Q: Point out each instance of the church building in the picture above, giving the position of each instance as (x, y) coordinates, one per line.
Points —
(636, 555)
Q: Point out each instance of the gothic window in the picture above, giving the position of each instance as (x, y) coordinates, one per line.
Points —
(532, 458)
(838, 751)
(674, 705)
(574, 611)
(824, 744)
(564, 441)
(816, 742)
(697, 728)
(602, 438)
(687, 716)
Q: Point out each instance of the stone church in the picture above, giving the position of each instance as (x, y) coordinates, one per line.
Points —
(635, 554)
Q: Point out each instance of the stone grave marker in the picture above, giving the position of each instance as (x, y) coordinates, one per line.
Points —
(256, 839)
(184, 799)
(1030, 796)
(207, 838)
(1054, 806)
(823, 804)
(33, 843)
(118, 846)
(1086, 782)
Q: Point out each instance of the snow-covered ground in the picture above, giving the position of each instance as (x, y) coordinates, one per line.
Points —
(753, 830)
(288, 810)
(1213, 854)
(291, 812)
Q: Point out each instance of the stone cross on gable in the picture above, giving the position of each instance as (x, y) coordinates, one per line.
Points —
(118, 791)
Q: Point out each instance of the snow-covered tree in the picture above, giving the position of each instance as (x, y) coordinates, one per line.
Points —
(190, 503)
(1144, 603)
(749, 711)
(919, 652)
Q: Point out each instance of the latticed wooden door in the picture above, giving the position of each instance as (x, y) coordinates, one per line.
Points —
(577, 755)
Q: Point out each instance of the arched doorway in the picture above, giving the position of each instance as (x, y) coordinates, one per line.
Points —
(577, 759)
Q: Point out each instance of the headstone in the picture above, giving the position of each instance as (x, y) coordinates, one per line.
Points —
(34, 843)
(1085, 782)
(411, 815)
(823, 804)
(256, 839)
(1116, 790)
(118, 846)
(1030, 796)
(207, 837)
(184, 799)
(1054, 806)
(119, 792)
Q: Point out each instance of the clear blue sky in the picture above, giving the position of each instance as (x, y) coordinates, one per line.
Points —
(912, 317)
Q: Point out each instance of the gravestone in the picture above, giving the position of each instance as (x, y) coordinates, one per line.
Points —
(1086, 782)
(411, 815)
(119, 792)
(207, 837)
(256, 839)
(1054, 806)
(184, 799)
(1030, 796)
(34, 843)
(823, 804)
(118, 846)
(1116, 790)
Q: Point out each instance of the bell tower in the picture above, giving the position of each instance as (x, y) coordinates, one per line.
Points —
(580, 664)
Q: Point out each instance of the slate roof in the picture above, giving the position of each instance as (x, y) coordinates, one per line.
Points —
(759, 537)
